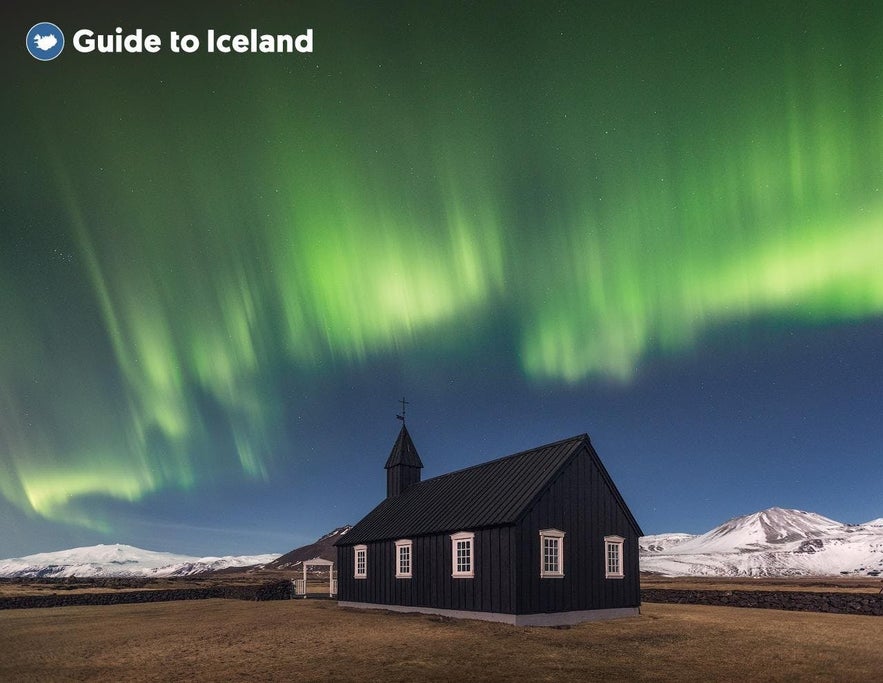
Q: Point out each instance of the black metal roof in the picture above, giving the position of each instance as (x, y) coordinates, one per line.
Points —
(490, 494)
(403, 452)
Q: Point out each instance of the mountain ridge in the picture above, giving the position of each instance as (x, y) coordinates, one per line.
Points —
(120, 560)
(772, 542)
(768, 543)
(323, 548)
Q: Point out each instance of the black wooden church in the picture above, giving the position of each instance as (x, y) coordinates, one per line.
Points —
(541, 537)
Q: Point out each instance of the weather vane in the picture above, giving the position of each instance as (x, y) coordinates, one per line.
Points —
(402, 416)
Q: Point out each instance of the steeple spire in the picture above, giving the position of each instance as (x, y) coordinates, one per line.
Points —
(403, 465)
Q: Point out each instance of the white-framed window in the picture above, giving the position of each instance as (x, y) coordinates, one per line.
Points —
(360, 568)
(404, 558)
(551, 553)
(613, 557)
(463, 555)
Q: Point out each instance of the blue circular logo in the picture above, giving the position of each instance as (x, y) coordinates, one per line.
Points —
(45, 41)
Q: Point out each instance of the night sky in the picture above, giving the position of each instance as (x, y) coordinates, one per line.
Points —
(658, 223)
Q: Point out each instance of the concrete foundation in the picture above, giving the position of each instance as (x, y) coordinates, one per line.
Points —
(544, 619)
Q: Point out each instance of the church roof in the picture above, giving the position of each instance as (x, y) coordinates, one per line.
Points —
(403, 452)
(491, 494)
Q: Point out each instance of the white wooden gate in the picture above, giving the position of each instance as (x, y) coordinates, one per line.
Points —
(300, 585)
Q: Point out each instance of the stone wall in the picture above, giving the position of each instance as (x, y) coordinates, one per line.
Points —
(802, 601)
(277, 590)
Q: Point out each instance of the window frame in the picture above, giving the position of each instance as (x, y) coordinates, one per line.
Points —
(617, 543)
(404, 544)
(463, 537)
(556, 536)
(363, 550)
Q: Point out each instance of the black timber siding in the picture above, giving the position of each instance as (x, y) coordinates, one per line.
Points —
(492, 589)
(400, 477)
(581, 502)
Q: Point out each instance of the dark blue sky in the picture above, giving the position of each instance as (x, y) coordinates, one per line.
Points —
(657, 223)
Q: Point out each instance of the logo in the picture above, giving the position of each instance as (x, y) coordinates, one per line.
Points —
(45, 41)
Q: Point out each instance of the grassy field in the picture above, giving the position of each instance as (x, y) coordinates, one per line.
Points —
(816, 584)
(25, 587)
(309, 640)
(317, 583)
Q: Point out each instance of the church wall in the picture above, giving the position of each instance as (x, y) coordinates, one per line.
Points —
(492, 588)
(580, 502)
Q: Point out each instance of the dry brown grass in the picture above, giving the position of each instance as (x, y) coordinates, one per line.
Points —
(318, 583)
(309, 640)
(815, 584)
(21, 587)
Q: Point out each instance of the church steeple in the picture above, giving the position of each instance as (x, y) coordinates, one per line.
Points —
(403, 465)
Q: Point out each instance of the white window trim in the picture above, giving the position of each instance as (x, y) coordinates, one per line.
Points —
(617, 541)
(557, 535)
(404, 543)
(356, 550)
(455, 538)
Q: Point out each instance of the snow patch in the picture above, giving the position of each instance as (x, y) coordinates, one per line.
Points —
(773, 542)
(119, 560)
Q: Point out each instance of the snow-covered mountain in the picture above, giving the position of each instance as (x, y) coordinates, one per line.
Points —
(660, 542)
(324, 548)
(773, 542)
(119, 560)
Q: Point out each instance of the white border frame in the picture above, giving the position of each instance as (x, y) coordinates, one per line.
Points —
(557, 535)
(617, 541)
(409, 544)
(356, 550)
(455, 538)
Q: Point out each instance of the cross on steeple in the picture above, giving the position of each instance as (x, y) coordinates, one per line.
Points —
(402, 416)
(403, 465)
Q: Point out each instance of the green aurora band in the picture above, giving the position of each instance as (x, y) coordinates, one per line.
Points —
(589, 227)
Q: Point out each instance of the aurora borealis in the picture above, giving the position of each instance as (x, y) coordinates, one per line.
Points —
(658, 223)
